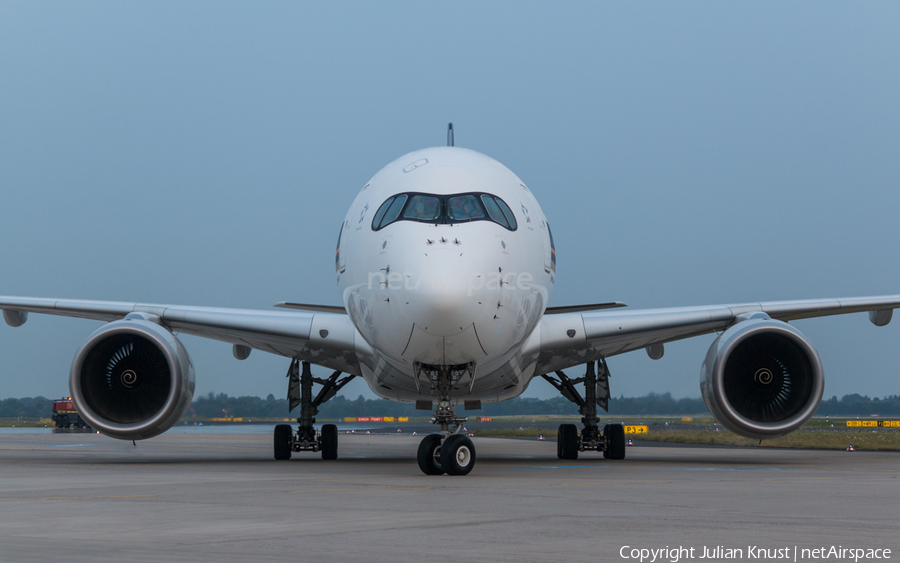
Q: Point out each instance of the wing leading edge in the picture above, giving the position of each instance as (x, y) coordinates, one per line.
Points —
(330, 339)
(608, 333)
(322, 338)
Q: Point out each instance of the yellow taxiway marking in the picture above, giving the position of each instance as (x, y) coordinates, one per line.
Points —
(75, 498)
(364, 490)
(615, 483)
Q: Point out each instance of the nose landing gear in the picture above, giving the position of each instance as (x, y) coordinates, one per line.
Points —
(611, 441)
(448, 452)
(306, 439)
(457, 455)
(429, 455)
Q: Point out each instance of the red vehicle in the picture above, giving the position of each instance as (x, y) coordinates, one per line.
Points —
(65, 415)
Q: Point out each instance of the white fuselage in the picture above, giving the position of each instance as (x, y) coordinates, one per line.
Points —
(463, 295)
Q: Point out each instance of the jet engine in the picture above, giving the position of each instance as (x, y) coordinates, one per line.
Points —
(132, 379)
(762, 378)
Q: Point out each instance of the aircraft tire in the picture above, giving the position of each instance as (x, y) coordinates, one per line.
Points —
(567, 442)
(283, 434)
(606, 435)
(329, 441)
(458, 455)
(615, 442)
(428, 455)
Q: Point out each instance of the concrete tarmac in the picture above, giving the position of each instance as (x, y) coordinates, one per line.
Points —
(221, 498)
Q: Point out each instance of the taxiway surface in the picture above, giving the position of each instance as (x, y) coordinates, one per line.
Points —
(221, 497)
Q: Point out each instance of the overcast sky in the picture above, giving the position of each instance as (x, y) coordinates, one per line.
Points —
(205, 153)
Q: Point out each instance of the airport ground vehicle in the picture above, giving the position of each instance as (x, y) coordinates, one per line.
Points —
(64, 414)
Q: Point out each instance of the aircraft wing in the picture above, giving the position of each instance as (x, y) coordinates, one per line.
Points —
(322, 338)
(611, 332)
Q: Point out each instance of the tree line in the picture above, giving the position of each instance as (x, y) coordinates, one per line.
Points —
(221, 405)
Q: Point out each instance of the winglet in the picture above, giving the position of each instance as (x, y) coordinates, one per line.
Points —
(449, 134)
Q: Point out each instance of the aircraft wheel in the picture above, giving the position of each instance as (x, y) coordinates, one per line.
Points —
(429, 455)
(283, 435)
(567, 442)
(458, 455)
(615, 441)
(329, 441)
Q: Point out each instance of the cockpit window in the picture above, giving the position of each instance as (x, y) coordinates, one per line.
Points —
(394, 210)
(464, 208)
(494, 210)
(507, 212)
(389, 211)
(423, 208)
(499, 211)
(450, 209)
(379, 215)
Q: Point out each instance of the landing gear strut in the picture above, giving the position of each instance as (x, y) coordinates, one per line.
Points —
(611, 441)
(448, 452)
(306, 439)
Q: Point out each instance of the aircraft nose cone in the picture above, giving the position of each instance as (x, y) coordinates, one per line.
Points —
(444, 291)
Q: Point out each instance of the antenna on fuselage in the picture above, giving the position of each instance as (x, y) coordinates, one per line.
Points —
(449, 134)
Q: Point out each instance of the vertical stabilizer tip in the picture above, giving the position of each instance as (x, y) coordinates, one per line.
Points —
(449, 134)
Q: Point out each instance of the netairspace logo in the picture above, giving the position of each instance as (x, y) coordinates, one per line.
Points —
(752, 552)
(469, 282)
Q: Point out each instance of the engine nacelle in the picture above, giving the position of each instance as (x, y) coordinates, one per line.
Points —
(762, 378)
(132, 379)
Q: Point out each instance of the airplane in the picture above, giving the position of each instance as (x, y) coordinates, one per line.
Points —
(445, 264)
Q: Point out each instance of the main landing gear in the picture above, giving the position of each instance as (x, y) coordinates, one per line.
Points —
(300, 393)
(610, 441)
(448, 452)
